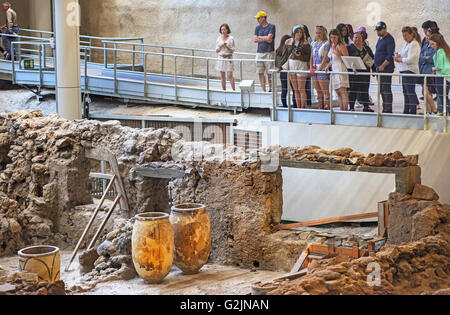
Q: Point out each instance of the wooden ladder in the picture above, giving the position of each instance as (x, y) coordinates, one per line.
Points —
(116, 180)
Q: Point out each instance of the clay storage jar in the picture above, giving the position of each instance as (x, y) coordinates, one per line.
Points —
(152, 246)
(45, 261)
(192, 229)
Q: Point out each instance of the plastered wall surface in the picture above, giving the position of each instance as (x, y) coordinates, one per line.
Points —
(314, 195)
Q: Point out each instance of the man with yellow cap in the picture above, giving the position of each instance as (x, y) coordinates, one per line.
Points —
(265, 38)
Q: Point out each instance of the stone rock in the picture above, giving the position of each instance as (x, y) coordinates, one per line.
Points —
(87, 260)
(127, 273)
(424, 223)
(424, 193)
(401, 163)
(7, 288)
(57, 288)
(412, 160)
(107, 248)
(345, 152)
(129, 146)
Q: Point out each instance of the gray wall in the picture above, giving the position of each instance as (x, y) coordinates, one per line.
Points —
(196, 23)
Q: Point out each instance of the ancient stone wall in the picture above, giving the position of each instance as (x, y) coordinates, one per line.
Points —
(45, 176)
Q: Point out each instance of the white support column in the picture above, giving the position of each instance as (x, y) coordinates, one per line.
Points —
(67, 40)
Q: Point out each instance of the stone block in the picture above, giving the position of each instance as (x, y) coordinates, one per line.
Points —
(424, 193)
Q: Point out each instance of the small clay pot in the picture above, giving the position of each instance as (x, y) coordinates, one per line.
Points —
(43, 260)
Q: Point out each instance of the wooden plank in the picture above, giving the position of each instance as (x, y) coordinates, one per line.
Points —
(101, 176)
(327, 221)
(292, 276)
(118, 183)
(318, 257)
(163, 173)
(355, 252)
(381, 226)
(298, 265)
(319, 249)
(99, 154)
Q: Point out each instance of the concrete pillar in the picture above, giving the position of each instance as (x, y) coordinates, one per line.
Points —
(41, 15)
(67, 39)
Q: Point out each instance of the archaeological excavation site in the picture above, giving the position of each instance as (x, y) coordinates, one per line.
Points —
(224, 228)
(188, 149)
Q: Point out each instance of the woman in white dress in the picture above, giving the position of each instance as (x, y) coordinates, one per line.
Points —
(340, 81)
(225, 47)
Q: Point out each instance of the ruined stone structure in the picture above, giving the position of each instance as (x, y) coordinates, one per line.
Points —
(45, 198)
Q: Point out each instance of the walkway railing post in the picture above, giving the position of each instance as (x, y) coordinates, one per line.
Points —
(85, 71)
(331, 100)
(134, 57)
(192, 62)
(274, 96)
(379, 117)
(240, 71)
(425, 94)
(40, 66)
(13, 63)
(208, 102)
(145, 76)
(115, 68)
(291, 116)
(105, 55)
(90, 49)
(142, 51)
(445, 103)
(162, 60)
(175, 77)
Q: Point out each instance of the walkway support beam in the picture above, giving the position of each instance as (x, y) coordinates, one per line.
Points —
(68, 77)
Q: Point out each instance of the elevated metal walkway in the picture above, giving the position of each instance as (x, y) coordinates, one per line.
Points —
(128, 68)
(125, 77)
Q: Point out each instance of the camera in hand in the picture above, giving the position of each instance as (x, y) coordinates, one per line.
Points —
(298, 49)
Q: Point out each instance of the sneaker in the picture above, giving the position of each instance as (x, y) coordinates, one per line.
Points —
(422, 98)
(368, 110)
(7, 56)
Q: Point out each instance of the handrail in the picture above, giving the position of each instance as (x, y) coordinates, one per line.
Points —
(181, 48)
(426, 116)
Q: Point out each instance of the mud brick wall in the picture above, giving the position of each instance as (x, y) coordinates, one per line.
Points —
(243, 204)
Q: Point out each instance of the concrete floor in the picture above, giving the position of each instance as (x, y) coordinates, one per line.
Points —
(212, 280)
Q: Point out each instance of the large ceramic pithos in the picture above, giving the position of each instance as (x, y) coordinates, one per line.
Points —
(192, 228)
(44, 260)
(152, 246)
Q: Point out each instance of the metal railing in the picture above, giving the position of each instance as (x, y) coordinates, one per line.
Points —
(137, 51)
(379, 110)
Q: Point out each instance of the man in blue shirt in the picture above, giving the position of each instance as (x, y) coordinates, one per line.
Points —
(265, 38)
(384, 63)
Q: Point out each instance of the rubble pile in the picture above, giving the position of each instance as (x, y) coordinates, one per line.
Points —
(44, 172)
(45, 193)
(347, 156)
(416, 259)
(111, 261)
(23, 283)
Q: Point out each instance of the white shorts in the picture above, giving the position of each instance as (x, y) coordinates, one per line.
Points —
(225, 65)
(299, 65)
(264, 67)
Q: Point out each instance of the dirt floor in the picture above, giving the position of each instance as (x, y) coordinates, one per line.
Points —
(212, 280)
